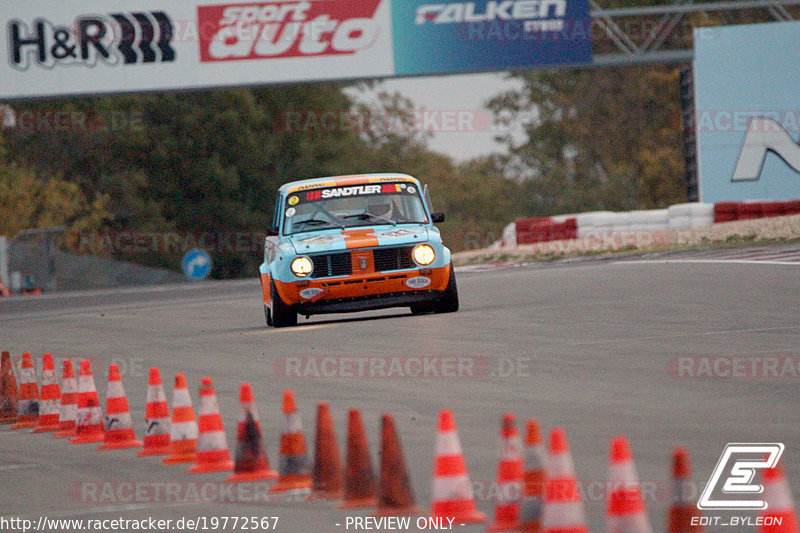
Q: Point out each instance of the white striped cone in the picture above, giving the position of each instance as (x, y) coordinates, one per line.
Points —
(89, 422)
(781, 512)
(28, 403)
(563, 507)
(156, 419)
(626, 511)
(119, 432)
(212, 446)
(510, 474)
(68, 411)
(683, 509)
(533, 487)
(183, 426)
(50, 397)
(452, 489)
(294, 468)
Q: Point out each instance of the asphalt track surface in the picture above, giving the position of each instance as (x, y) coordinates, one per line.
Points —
(593, 348)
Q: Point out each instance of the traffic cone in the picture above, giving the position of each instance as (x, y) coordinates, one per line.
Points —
(251, 458)
(9, 395)
(49, 406)
(563, 507)
(683, 509)
(183, 428)
(533, 487)
(156, 417)
(626, 511)
(359, 478)
(452, 489)
(780, 516)
(89, 420)
(510, 473)
(68, 410)
(328, 474)
(395, 496)
(212, 447)
(294, 471)
(119, 426)
(28, 405)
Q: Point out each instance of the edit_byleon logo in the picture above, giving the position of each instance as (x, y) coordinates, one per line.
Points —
(731, 485)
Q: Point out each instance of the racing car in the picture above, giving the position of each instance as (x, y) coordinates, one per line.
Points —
(355, 243)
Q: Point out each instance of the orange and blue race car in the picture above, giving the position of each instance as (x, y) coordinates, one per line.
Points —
(355, 243)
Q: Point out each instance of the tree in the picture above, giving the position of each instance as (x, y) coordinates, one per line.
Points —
(601, 138)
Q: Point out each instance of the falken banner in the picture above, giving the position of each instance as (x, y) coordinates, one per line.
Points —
(747, 111)
(105, 46)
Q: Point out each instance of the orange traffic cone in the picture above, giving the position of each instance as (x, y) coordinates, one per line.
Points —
(563, 507)
(9, 395)
(395, 496)
(251, 458)
(212, 447)
(294, 471)
(119, 426)
(49, 406)
(68, 411)
(183, 428)
(683, 509)
(780, 515)
(156, 417)
(533, 487)
(28, 405)
(510, 472)
(452, 489)
(89, 420)
(359, 478)
(328, 474)
(626, 511)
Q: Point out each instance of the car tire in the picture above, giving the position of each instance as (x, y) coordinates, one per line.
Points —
(267, 315)
(283, 316)
(449, 301)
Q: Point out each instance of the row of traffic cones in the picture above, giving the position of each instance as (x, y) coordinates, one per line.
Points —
(533, 498)
(538, 491)
(202, 442)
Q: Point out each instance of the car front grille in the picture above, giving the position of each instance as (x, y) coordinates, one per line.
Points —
(340, 264)
(328, 265)
(393, 258)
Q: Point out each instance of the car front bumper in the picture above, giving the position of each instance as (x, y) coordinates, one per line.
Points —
(361, 292)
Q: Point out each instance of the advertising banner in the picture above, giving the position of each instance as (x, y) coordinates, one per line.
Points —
(443, 37)
(99, 46)
(105, 46)
(748, 111)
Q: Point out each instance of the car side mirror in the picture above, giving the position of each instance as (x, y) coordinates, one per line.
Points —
(437, 217)
(272, 232)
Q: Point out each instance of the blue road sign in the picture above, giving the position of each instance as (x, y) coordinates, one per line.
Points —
(196, 264)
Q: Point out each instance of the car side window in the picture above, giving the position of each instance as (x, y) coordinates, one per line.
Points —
(276, 219)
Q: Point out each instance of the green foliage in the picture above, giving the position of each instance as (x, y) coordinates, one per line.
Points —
(601, 139)
(26, 201)
(210, 162)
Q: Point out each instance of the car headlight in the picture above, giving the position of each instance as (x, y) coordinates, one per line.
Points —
(424, 255)
(302, 267)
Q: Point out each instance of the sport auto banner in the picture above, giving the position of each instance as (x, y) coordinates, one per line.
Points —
(104, 46)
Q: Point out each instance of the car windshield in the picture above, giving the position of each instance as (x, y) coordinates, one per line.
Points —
(351, 206)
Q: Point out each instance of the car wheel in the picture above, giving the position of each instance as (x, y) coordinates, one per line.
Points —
(449, 301)
(283, 316)
(268, 315)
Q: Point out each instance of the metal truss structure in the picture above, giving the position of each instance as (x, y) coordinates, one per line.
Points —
(664, 33)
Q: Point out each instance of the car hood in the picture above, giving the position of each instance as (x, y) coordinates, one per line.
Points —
(361, 237)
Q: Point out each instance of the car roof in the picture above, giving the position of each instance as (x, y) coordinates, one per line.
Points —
(351, 179)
